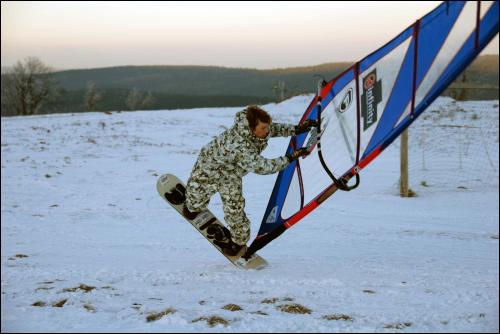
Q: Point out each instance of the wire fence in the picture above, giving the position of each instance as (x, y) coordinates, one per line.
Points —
(455, 147)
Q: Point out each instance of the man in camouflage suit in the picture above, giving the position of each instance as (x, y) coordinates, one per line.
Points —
(226, 159)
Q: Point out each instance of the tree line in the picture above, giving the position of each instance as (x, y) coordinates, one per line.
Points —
(31, 87)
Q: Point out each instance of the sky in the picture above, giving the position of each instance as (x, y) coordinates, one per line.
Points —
(263, 35)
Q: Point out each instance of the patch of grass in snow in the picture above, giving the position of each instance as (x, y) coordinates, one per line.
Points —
(343, 317)
(259, 313)
(213, 320)
(398, 325)
(52, 282)
(56, 304)
(60, 303)
(159, 315)
(294, 308)
(108, 287)
(89, 308)
(274, 300)
(232, 307)
(411, 193)
(269, 300)
(83, 287)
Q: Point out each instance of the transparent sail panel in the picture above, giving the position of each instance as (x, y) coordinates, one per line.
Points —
(462, 29)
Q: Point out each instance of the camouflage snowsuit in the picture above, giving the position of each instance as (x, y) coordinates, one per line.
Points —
(221, 165)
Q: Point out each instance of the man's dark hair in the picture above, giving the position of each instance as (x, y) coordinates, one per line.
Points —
(256, 114)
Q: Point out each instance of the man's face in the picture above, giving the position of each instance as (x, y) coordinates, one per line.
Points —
(261, 130)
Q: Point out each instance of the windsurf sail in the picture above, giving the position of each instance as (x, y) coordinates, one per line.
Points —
(366, 108)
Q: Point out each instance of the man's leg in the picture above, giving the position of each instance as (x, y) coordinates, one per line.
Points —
(199, 189)
(233, 202)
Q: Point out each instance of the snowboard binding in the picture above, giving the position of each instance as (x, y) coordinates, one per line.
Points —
(177, 195)
(222, 238)
(220, 235)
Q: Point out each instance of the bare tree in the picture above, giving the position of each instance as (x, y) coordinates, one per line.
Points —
(279, 90)
(27, 87)
(92, 97)
(148, 101)
(138, 100)
(134, 99)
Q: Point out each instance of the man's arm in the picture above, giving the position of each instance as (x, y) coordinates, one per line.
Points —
(287, 130)
(281, 130)
(252, 162)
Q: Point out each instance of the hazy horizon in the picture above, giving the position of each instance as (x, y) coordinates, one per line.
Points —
(270, 35)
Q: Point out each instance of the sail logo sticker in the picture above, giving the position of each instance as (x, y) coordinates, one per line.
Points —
(371, 97)
(273, 216)
(164, 179)
(346, 101)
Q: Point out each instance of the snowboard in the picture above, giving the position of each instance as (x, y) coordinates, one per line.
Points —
(172, 190)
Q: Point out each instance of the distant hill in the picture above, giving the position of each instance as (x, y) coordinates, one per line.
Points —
(211, 80)
(187, 86)
(199, 80)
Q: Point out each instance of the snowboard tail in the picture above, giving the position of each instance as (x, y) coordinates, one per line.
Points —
(173, 191)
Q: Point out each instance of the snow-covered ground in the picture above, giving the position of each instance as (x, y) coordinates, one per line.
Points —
(83, 228)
